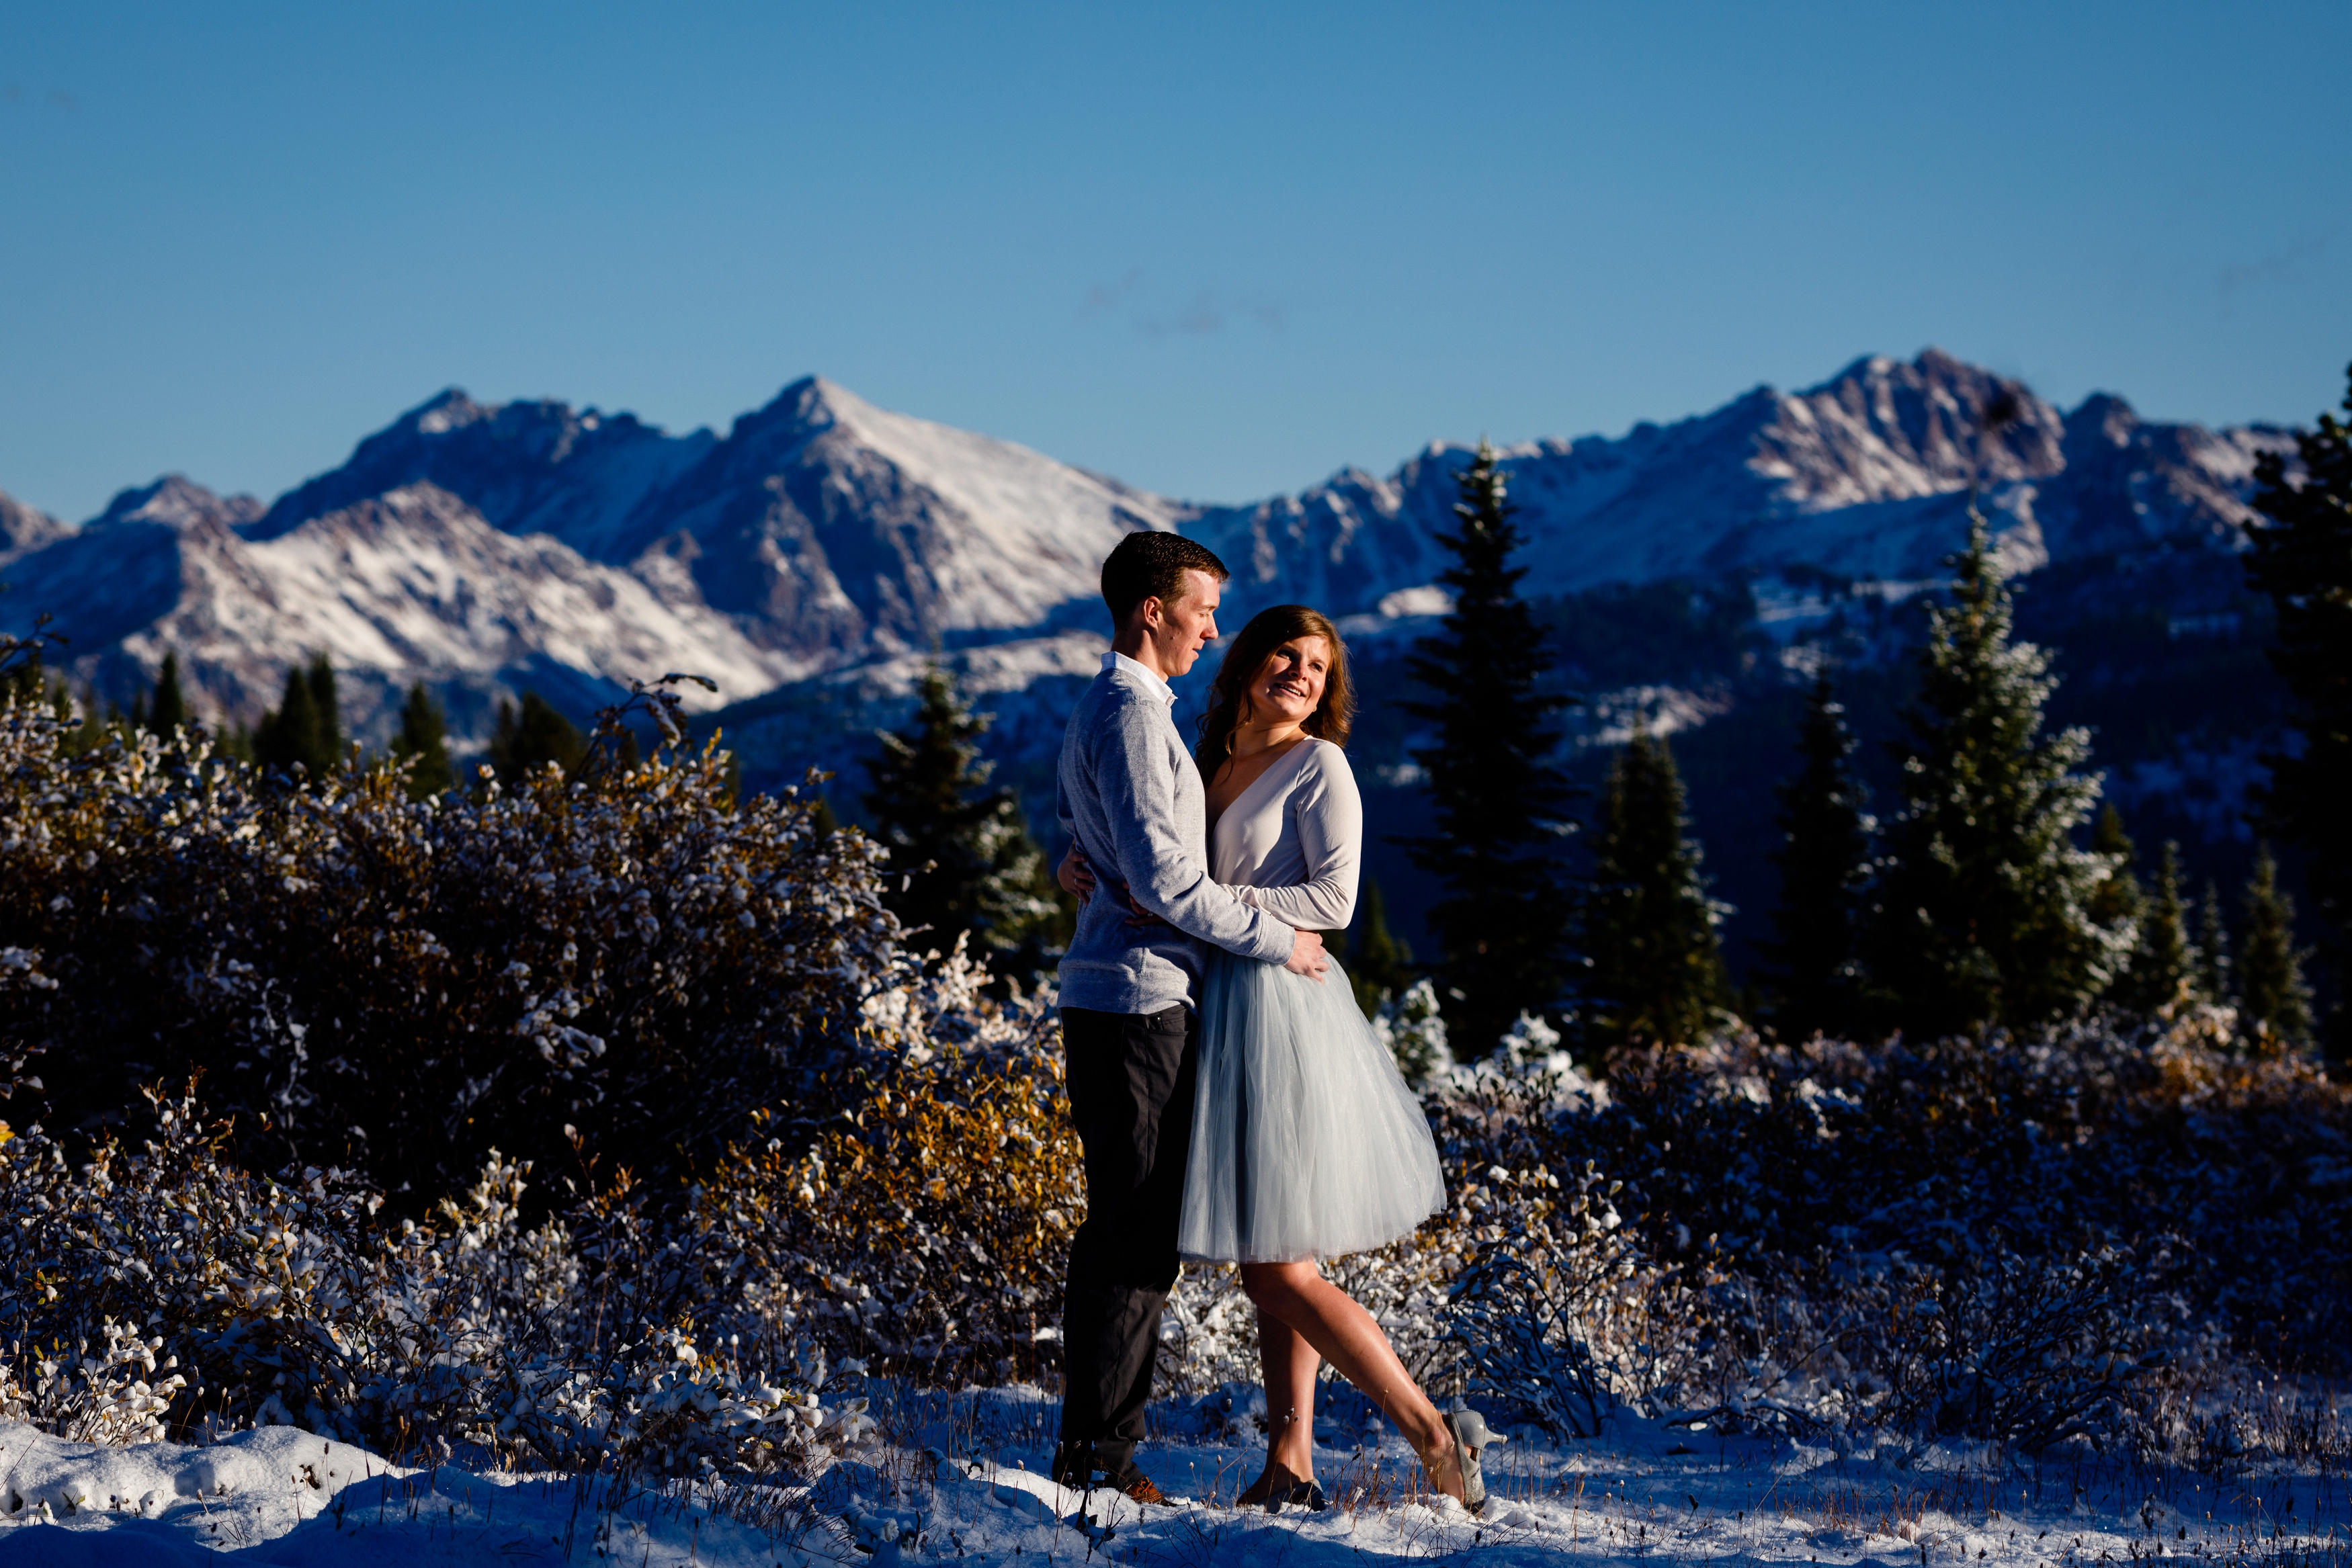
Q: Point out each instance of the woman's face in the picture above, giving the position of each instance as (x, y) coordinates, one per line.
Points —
(1288, 687)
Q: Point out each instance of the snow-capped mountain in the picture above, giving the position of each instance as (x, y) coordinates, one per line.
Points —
(826, 527)
(21, 527)
(1862, 477)
(484, 548)
(823, 546)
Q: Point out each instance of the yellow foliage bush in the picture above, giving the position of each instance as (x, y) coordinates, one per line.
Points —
(929, 1225)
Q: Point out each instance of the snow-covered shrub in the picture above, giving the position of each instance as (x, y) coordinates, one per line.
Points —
(113, 1392)
(161, 1288)
(20, 970)
(2028, 1240)
(2033, 1351)
(1549, 1314)
(1414, 1031)
(1827, 1159)
(624, 964)
(745, 1135)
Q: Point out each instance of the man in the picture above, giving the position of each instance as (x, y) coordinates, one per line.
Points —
(1132, 798)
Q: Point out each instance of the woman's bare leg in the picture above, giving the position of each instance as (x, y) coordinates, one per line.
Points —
(1288, 1363)
(1330, 1321)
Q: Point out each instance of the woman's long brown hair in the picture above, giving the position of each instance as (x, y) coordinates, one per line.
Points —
(1229, 696)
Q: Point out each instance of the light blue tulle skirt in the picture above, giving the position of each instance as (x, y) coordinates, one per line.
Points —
(1306, 1142)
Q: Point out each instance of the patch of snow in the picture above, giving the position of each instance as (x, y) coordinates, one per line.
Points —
(1619, 715)
(1428, 599)
(1642, 1490)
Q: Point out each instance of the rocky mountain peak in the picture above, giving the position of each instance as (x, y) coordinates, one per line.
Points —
(24, 528)
(177, 502)
(1885, 429)
(528, 466)
(2100, 419)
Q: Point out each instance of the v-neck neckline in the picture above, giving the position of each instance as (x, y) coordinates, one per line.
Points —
(1306, 744)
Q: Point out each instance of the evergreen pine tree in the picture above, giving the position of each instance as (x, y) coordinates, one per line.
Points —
(1380, 967)
(2303, 559)
(424, 736)
(2214, 984)
(168, 710)
(1983, 910)
(961, 852)
(527, 739)
(1657, 969)
(2274, 1003)
(2117, 903)
(1824, 860)
(327, 714)
(1501, 806)
(292, 733)
(2164, 959)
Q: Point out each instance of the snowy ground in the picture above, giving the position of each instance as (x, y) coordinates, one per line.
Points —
(964, 1483)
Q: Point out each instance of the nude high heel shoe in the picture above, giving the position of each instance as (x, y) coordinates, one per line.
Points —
(1470, 1433)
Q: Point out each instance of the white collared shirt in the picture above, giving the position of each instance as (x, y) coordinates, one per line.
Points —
(1120, 660)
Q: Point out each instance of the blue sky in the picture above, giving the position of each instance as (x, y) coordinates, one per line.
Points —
(1218, 251)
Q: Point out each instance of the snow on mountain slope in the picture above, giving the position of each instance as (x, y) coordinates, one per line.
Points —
(1863, 477)
(175, 501)
(828, 528)
(483, 546)
(528, 468)
(1342, 546)
(1038, 528)
(21, 527)
(413, 585)
(836, 531)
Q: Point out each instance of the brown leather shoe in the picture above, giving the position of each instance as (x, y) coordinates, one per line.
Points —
(1139, 1487)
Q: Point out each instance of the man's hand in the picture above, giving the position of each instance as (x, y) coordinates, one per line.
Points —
(1075, 875)
(1307, 956)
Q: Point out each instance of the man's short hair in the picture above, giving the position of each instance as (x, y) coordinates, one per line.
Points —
(1149, 564)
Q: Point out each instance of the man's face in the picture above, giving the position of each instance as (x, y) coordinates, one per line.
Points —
(1179, 630)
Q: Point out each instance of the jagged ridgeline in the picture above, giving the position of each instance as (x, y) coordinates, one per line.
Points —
(810, 560)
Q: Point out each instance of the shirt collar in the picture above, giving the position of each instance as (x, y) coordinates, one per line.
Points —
(1151, 681)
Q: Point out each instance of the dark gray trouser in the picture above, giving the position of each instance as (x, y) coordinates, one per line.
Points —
(1129, 1077)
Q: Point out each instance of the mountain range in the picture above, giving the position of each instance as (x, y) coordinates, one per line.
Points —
(812, 557)
(486, 548)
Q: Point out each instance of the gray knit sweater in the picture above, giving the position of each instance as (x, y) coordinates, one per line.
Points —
(1131, 796)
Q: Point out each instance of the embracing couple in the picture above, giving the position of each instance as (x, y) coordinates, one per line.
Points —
(1233, 1104)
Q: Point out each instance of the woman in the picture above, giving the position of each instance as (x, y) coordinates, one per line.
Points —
(1306, 1142)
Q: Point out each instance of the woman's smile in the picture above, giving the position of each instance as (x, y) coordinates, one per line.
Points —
(1291, 680)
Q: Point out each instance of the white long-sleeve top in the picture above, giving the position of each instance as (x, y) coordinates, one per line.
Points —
(1292, 843)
